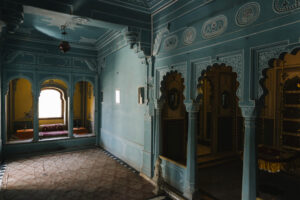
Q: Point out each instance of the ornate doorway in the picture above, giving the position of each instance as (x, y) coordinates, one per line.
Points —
(220, 121)
(174, 118)
(220, 134)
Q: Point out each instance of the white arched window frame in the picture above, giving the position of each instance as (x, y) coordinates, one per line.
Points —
(51, 104)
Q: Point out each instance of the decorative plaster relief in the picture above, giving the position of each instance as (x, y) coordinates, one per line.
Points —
(158, 40)
(236, 61)
(214, 26)
(263, 57)
(189, 35)
(247, 14)
(171, 42)
(91, 64)
(285, 6)
(19, 57)
(55, 18)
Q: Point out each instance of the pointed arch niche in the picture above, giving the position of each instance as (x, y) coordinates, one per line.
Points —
(279, 128)
(174, 118)
(220, 132)
(19, 111)
(83, 109)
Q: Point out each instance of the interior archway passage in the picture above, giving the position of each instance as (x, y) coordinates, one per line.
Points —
(220, 133)
(174, 118)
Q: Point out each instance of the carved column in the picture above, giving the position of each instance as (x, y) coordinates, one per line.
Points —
(249, 157)
(191, 186)
(158, 128)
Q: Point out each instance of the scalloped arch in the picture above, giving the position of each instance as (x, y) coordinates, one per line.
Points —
(42, 80)
(216, 66)
(164, 83)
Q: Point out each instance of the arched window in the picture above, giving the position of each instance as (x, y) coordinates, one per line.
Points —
(50, 104)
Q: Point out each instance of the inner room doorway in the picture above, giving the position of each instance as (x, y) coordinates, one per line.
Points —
(220, 133)
(174, 119)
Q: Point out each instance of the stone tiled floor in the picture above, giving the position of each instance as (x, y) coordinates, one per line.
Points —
(85, 174)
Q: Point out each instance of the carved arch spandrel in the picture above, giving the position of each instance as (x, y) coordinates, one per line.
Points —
(284, 61)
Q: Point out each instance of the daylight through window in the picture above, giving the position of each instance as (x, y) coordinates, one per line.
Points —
(50, 104)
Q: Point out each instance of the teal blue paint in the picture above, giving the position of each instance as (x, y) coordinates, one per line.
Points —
(132, 131)
(122, 125)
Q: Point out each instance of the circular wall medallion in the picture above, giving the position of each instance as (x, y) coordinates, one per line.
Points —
(247, 14)
(189, 35)
(214, 26)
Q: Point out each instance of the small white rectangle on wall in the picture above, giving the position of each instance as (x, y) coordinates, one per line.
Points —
(118, 97)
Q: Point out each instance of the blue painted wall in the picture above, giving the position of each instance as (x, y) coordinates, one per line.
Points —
(246, 47)
(122, 125)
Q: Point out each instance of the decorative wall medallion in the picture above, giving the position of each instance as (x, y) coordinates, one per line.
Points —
(171, 42)
(284, 6)
(247, 14)
(214, 26)
(189, 35)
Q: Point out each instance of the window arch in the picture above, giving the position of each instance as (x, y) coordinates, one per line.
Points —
(51, 103)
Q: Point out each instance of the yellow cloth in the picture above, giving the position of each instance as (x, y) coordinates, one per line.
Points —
(272, 167)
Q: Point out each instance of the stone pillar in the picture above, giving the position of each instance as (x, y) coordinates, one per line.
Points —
(191, 179)
(249, 157)
(36, 116)
(158, 128)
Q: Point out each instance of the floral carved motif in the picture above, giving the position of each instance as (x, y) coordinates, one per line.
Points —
(247, 14)
(263, 62)
(284, 6)
(214, 26)
(189, 35)
(237, 63)
(171, 42)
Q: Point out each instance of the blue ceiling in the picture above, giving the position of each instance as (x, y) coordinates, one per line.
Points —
(148, 6)
(86, 21)
(79, 29)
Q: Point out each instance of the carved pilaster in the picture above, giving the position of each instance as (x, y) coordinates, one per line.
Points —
(191, 184)
(249, 157)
